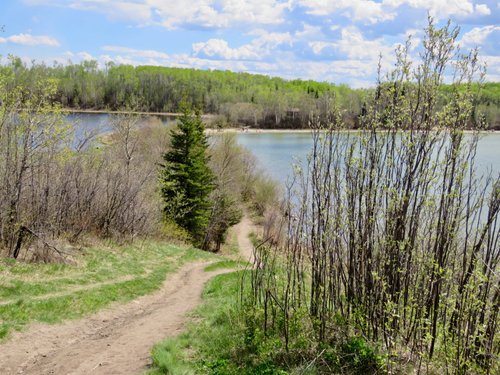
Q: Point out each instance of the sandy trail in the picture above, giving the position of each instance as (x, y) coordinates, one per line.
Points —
(243, 229)
(117, 340)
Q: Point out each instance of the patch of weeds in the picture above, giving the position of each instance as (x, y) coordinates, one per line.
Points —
(360, 357)
(224, 264)
(166, 359)
(4, 331)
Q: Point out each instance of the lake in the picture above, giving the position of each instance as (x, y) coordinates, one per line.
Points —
(277, 151)
(86, 122)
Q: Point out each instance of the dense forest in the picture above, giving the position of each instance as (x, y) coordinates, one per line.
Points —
(234, 98)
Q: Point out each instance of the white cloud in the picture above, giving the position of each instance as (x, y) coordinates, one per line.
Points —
(220, 48)
(85, 56)
(219, 14)
(483, 10)
(257, 49)
(31, 40)
(356, 83)
(442, 9)
(318, 46)
(359, 10)
(353, 45)
(173, 14)
(308, 31)
(477, 35)
(150, 54)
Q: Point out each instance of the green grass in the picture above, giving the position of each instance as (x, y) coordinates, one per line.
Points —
(214, 342)
(209, 341)
(51, 293)
(229, 263)
(225, 338)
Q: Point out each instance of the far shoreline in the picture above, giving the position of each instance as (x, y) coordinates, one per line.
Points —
(237, 130)
(211, 131)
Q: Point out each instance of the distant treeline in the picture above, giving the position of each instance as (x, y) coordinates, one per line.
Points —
(235, 98)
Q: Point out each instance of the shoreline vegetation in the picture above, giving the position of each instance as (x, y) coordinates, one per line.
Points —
(227, 97)
(236, 129)
(127, 112)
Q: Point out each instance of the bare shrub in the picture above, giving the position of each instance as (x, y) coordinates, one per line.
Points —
(59, 187)
(239, 183)
(392, 238)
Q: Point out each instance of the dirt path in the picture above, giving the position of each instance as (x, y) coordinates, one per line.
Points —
(114, 341)
(117, 340)
(243, 229)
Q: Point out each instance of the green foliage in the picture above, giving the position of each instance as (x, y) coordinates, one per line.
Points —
(360, 357)
(240, 98)
(234, 98)
(186, 179)
(226, 212)
(226, 339)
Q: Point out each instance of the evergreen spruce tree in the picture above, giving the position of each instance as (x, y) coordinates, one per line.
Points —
(186, 179)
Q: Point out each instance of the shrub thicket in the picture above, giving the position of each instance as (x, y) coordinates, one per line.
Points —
(391, 239)
(58, 186)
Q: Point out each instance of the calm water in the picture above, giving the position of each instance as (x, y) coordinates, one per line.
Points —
(277, 151)
(101, 122)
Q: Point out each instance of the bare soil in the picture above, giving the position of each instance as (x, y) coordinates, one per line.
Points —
(243, 229)
(117, 340)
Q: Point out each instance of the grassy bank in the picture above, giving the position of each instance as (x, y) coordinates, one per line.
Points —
(217, 342)
(210, 341)
(225, 338)
(51, 293)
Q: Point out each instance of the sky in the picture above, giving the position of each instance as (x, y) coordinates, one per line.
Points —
(337, 41)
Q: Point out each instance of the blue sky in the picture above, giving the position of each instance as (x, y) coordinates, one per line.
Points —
(327, 40)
